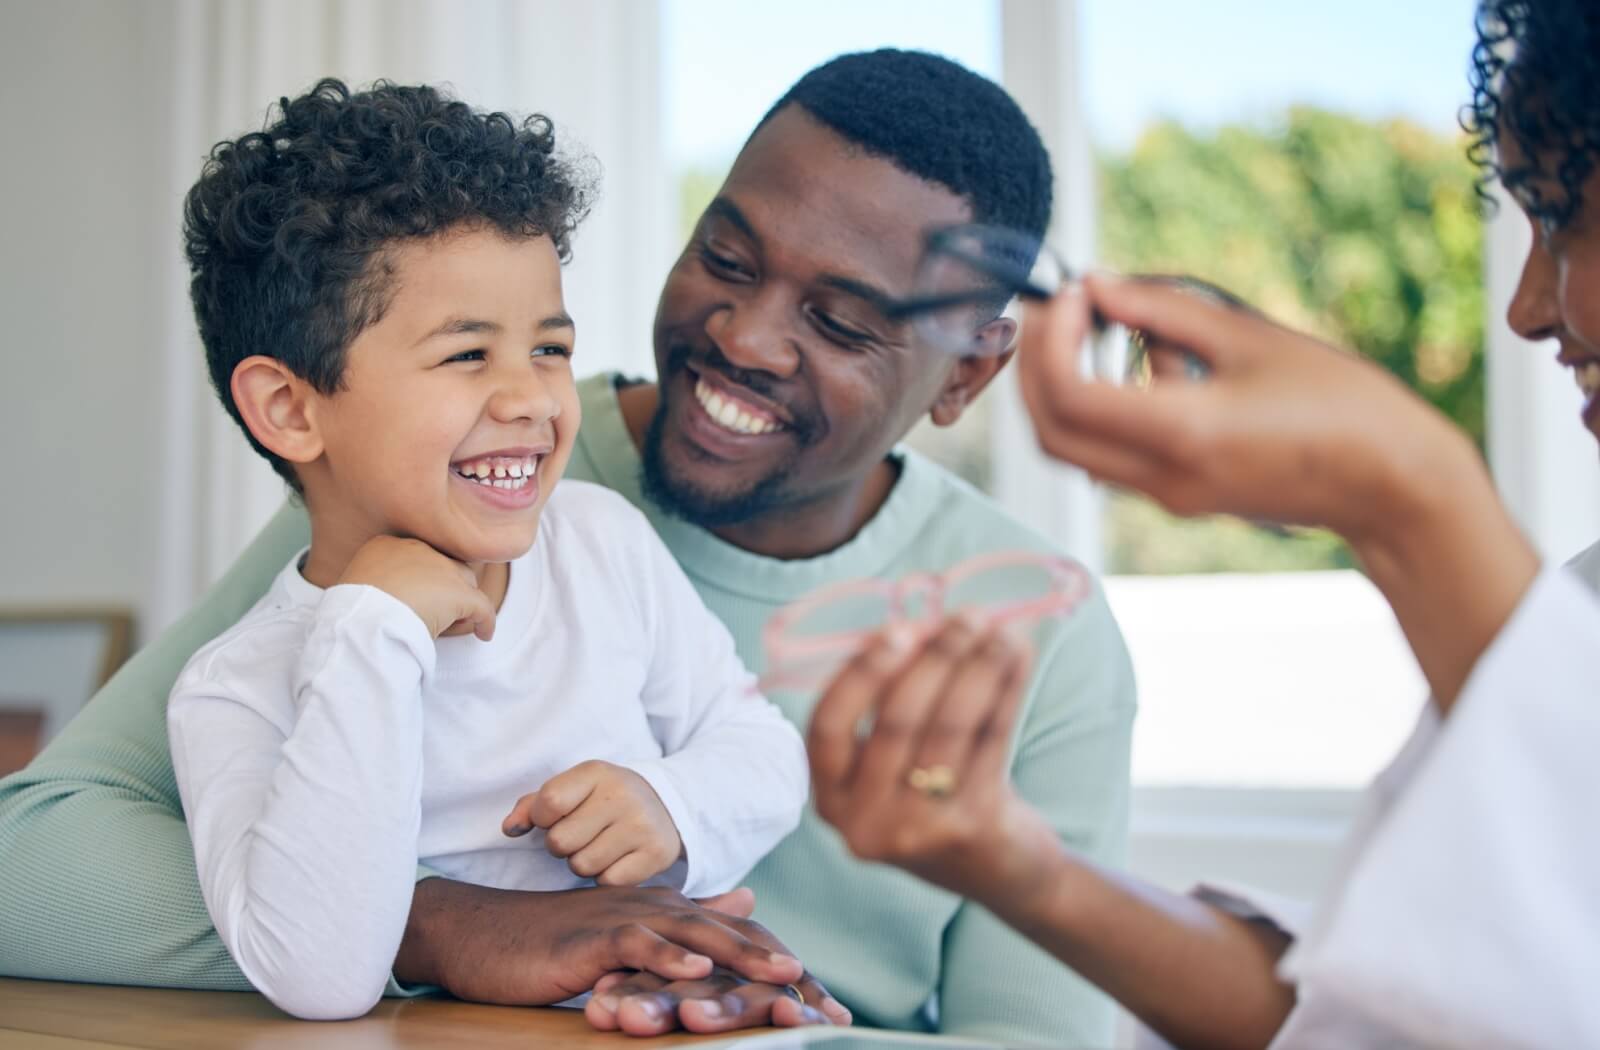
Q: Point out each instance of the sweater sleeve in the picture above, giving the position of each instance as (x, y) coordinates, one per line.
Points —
(1072, 764)
(92, 836)
(733, 773)
(298, 755)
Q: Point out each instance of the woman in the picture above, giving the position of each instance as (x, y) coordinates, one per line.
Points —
(1464, 914)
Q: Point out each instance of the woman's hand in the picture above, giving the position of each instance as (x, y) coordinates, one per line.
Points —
(927, 789)
(1285, 428)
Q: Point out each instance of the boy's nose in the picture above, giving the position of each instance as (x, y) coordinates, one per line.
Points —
(524, 395)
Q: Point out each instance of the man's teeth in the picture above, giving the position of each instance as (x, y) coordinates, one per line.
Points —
(499, 472)
(1588, 376)
(728, 414)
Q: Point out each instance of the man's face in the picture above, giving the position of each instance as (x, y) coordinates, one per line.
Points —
(781, 381)
(457, 411)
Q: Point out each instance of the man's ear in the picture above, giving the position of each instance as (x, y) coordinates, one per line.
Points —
(276, 407)
(973, 372)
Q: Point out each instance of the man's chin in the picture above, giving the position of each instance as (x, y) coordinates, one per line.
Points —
(673, 487)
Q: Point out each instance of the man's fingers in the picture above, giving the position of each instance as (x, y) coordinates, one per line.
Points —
(740, 903)
(637, 947)
(724, 942)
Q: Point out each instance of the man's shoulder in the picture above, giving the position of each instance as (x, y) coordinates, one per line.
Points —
(968, 520)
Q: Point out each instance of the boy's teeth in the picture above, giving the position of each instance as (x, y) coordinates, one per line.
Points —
(500, 473)
(727, 414)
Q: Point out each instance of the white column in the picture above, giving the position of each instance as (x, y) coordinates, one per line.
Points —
(1040, 69)
(1544, 461)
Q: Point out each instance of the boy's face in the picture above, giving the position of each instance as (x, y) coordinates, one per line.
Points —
(458, 409)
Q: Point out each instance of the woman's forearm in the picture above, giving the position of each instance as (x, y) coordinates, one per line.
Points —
(1192, 973)
(1449, 560)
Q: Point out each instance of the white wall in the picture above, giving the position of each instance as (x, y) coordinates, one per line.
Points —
(80, 397)
(125, 482)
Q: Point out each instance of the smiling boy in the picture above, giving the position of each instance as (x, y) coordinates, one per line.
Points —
(465, 652)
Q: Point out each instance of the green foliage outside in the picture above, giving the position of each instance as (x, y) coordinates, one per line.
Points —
(1364, 233)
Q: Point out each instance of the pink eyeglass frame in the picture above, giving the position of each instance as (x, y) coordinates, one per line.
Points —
(791, 663)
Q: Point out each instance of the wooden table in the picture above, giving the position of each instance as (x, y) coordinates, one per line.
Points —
(44, 1015)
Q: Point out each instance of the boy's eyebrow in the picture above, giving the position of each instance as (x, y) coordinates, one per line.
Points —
(476, 325)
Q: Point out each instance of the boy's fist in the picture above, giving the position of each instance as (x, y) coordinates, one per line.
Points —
(606, 821)
(438, 588)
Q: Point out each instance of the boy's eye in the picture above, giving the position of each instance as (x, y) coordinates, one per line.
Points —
(552, 350)
(465, 355)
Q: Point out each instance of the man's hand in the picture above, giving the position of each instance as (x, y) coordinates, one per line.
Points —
(605, 820)
(644, 1004)
(439, 589)
(521, 948)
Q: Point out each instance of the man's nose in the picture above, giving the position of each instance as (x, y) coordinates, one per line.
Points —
(1534, 311)
(755, 335)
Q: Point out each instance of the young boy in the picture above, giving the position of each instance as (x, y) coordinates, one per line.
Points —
(463, 655)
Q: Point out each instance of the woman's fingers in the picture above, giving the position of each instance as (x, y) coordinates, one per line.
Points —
(831, 740)
(901, 718)
(952, 730)
(990, 758)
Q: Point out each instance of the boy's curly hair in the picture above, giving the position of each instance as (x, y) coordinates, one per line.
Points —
(286, 230)
(1534, 72)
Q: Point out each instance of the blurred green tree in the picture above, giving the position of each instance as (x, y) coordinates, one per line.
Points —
(1364, 233)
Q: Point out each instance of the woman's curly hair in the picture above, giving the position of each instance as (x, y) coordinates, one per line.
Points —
(286, 229)
(1535, 77)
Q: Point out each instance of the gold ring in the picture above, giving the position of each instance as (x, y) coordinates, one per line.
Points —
(934, 781)
(799, 996)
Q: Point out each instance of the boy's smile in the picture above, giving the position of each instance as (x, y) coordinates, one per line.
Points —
(457, 412)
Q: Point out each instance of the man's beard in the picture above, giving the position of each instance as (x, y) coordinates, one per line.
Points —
(681, 498)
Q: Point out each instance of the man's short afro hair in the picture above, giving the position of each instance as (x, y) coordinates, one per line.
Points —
(939, 121)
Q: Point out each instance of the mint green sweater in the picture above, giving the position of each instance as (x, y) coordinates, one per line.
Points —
(97, 881)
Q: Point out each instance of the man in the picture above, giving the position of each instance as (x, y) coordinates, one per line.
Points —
(766, 457)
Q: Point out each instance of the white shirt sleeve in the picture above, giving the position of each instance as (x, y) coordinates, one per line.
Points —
(733, 775)
(1468, 913)
(301, 780)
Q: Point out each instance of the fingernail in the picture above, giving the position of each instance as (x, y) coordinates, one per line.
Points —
(608, 1003)
(518, 829)
(711, 1008)
(651, 1009)
(898, 637)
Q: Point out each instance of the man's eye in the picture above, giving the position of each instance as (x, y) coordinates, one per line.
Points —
(465, 355)
(723, 265)
(552, 350)
(836, 329)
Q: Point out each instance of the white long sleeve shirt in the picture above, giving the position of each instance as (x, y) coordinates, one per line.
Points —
(1467, 912)
(326, 745)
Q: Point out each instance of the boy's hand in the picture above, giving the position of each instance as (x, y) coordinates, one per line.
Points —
(438, 588)
(607, 821)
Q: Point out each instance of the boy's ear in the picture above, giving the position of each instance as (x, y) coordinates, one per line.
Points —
(972, 373)
(275, 406)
